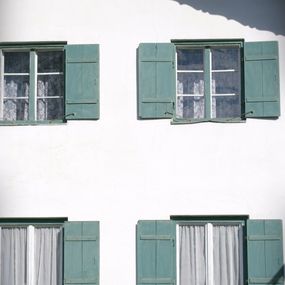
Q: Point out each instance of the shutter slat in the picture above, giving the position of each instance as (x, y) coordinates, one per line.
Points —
(262, 94)
(156, 80)
(156, 252)
(265, 252)
(82, 82)
(81, 253)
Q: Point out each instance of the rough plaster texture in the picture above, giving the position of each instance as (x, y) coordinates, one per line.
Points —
(119, 169)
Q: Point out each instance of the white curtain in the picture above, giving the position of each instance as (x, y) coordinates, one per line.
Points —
(192, 255)
(48, 256)
(227, 255)
(13, 248)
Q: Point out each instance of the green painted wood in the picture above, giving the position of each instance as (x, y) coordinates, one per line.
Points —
(33, 86)
(81, 253)
(265, 255)
(156, 80)
(207, 83)
(156, 255)
(82, 82)
(262, 94)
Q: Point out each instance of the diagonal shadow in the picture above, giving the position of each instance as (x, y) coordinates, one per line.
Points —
(267, 15)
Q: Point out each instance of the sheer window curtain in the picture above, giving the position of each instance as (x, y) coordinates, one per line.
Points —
(48, 256)
(46, 263)
(227, 255)
(192, 255)
(13, 248)
(226, 248)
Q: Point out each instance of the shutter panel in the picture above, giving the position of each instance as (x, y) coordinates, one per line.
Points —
(156, 252)
(82, 82)
(156, 80)
(81, 253)
(265, 252)
(262, 94)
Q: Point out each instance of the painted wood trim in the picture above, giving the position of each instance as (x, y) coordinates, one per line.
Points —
(33, 86)
(81, 238)
(264, 281)
(264, 237)
(156, 237)
(156, 280)
(81, 281)
(207, 83)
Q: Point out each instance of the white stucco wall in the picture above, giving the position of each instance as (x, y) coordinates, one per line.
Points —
(119, 169)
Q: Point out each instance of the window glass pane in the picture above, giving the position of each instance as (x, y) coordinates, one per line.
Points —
(192, 255)
(48, 256)
(13, 256)
(226, 107)
(227, 245)
(225, 82)
(190, 107)
(225, 58)
(16, 62)
(50, 97)
(190, 83)
(50, 61)
(16, 100)
(190, 59)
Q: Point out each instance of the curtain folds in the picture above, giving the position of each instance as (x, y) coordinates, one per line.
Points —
(48, 256)
(13, 256)
(222, 267)
(226, 255)
(192, 255)
(46, 263)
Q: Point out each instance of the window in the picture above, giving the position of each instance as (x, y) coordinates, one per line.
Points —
(221, 80)
(208, 82)
(203, 250)
(209, 253)
(48, 82)
(48, 251)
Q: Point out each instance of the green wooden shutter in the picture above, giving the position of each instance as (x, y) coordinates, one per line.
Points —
(81, 253)
(156, 80)
(82, 82)
(262, 94)
(156, 252)
(265, 252)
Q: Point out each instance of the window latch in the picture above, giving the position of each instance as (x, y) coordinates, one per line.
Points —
(68, 115)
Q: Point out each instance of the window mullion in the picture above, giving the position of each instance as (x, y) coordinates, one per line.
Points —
(33, 86)
(1, 85)
(30, 255)
(207, 84)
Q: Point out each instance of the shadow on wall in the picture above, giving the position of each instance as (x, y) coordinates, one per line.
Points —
(260, 14)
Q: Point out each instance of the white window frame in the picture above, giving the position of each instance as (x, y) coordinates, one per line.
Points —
(33, 76)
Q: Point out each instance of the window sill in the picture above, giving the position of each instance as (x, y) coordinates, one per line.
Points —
(176, 121)
(31, 123)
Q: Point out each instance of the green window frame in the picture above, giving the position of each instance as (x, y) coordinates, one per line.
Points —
(67, 89)
(157, 245)
(80, 248)
(259, 94)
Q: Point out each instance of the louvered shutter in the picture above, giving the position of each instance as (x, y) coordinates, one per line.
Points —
(81, 253)
(82, 82)
(265, 252)
(262, 94)
(156, 80)
(156, 252)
